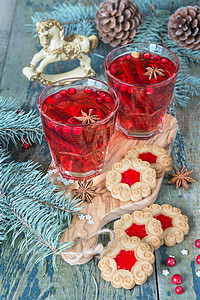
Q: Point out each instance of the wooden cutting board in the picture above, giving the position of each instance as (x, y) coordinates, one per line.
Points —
(104, 208)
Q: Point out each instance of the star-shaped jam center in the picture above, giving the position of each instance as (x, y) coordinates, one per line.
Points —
(136, 230)
(125, 260)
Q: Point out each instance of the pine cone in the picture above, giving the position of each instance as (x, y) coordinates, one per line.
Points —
(117, 20)
(184, 27)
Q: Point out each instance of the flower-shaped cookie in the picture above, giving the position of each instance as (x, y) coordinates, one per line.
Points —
(142, 225)
(127, 262)
(158, 157)
(174, 224)
(131, 180)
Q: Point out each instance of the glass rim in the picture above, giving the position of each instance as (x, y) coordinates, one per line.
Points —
(79, 125)
(141, 85)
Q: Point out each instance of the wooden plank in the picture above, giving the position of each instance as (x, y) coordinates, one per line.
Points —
(6, 22)
(189, 203)
(20, 278)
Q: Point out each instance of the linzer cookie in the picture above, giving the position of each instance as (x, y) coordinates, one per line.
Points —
(142, 225)
(174, 224)
(131, 180)
(127, 262)
(158, 157)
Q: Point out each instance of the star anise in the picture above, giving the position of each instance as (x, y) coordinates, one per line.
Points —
(87, 119)
(152, 72)
(181, 178)
(86, 191)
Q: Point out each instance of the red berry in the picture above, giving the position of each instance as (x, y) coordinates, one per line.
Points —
(198, 259)
(99, 101)
(108, 99)
(102, 95)
(131, 91)
(57, 128)
(179, 290)
(164, 61)
(63, 92)
(88, 91)
(121, 59)
(128, 57)
(77, 130)
(146, 55)
(71, 91)
(50, 125)
(176, 279)
(170, 261)
(25, 144)
(123, 88)
(113, 66)
(113, 71)
(66, 129)
(197, 243)
(149, 91)
(156, 58)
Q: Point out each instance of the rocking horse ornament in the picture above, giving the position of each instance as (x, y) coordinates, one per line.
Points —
(57, 47)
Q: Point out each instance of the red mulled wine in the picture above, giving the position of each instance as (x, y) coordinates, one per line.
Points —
(78, 122)
(144, 83)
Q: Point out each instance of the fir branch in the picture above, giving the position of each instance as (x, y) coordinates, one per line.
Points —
(18, 125)
(75, 19)
(41, 233)
(32, 205)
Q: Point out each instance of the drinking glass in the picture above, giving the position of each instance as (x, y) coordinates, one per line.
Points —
(78, 121)
(143, 99)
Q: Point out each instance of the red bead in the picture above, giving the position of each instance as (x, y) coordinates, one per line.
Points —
(121, 59)
(88, 91)
(146, 55)
(63, 92)
(128, 57)
(170, 261)
(164, 61)
(123, 88)
(198, 259)
(197, 243)
(179, 290)
(99, 101)
(77, 130)
(71, 91)
(156, 58)
(113, 71)
(176, 279)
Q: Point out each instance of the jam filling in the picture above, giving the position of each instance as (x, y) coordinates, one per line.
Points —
(130, 177)
(165, 221)
(148, 156)
(125, 260)
(136, 230)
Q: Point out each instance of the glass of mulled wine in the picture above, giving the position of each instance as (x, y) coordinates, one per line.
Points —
(143, 76)
(78, 121)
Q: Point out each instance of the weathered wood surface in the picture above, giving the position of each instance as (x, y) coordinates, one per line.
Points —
(20, 278)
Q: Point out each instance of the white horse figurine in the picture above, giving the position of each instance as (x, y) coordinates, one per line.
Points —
(57, 47)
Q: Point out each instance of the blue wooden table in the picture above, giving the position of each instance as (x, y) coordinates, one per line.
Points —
(20, 277)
